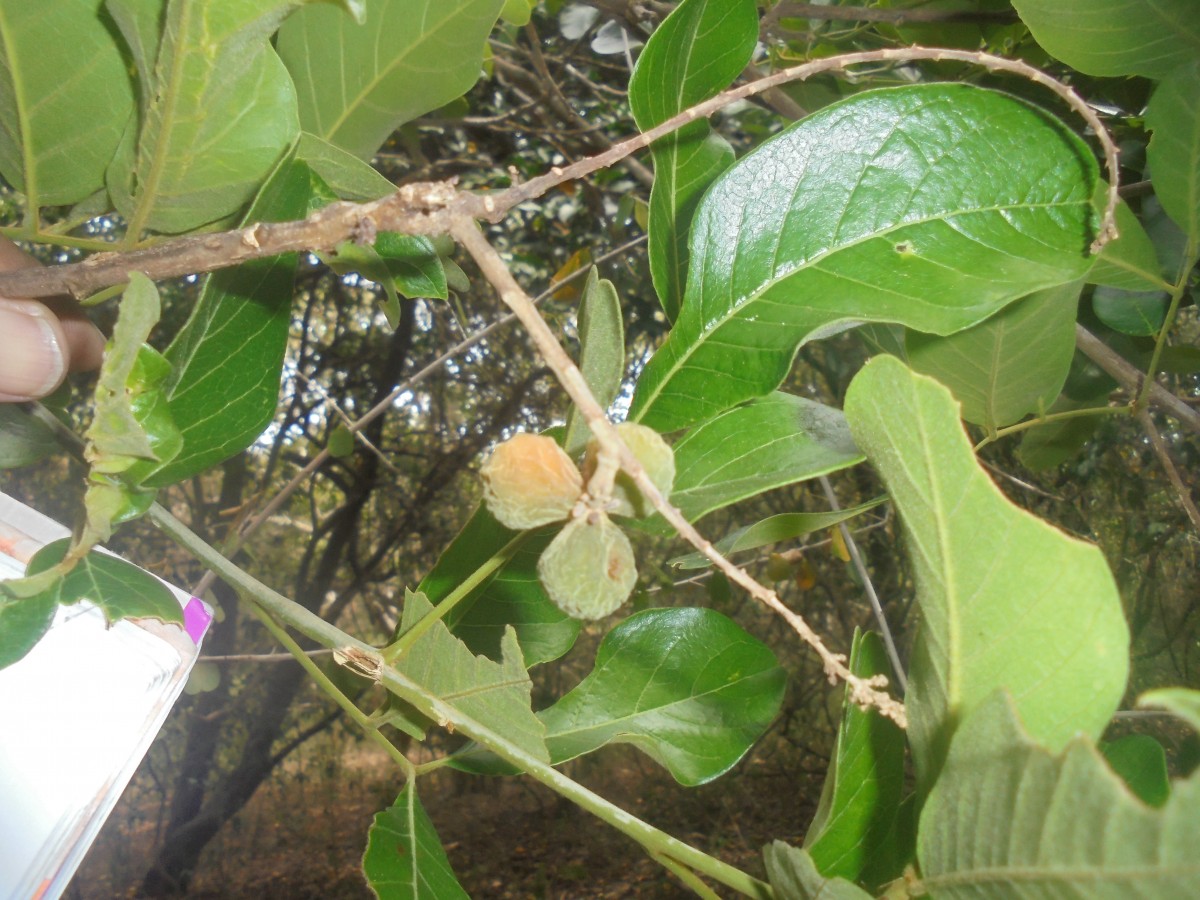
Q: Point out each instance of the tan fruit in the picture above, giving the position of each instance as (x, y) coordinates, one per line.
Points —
(529, 481)
(588, 570)
(656, 457)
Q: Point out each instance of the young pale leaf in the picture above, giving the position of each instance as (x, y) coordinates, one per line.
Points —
(854, 833)
(1010, 365)
(1174, 150)
(218, 112)
(794, 876)
(1115, 37)
(771, 442)
(404, 858)
(1007, 818)
(697, 51)
(686, 686)
(496, 694)
(881, 208)
(228, 356)
(357, 83)
(1006, 600)
(513, 597)
(65, 99)
(1142, 764)
(772, 530)
(601, 353)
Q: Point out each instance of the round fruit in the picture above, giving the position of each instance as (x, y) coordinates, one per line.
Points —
(529, 481)
(588, 570)
(656, 457)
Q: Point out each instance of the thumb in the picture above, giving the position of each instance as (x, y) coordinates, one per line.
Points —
(33, 350)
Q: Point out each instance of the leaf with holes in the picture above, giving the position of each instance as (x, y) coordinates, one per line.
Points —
(933, 206)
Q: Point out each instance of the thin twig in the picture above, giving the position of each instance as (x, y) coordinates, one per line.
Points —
(433, 208)
(860, 567)
(865, 692)
(1164, 458)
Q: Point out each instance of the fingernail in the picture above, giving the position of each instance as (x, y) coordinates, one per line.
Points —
(31, 355)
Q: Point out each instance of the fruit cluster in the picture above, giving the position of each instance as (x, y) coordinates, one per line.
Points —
(588, 570)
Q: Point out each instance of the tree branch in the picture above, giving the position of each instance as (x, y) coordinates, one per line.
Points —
(432, 208)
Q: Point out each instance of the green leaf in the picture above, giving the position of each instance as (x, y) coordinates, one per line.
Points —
(1006, 600)
(771, 442)
(1050, 445)
(228, 356)
(686, 686)
(794, 876)
(601, 353)
(23, 621)
(1007, 818)
(1142, 764)
(65, 99)
(341, 442)
(853, 834)
(1139, 313)
(1173, 154)
(1010, 365)
(218, 112)
(1181, 702)
(1115, 37)
(697, 51)
(358, 83)
(496, 694)
(402, 263)
(772, 530)
(404, 858)
(512, 597)
(120, 589)
(1130, 262)
(23, 439)
(347, 175)
(881, 208)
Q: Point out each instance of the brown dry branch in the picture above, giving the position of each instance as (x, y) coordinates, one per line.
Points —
(867, 692)
(430, 208)
(1182, 492)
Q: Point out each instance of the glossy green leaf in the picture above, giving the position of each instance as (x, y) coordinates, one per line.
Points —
(1181, 702)
(1142, 764)
(1010, 365)
(228, 356)
(358, 83)
(601, 353)
(852, 835)
(686, 686)
(772, 530)
(1130, 262)
(1115, 37)
(1174, 150)
(1007, 818)
(697, 51)
(65, 98)
(347, 175)
(496, 694)
(218, 112)
(23, 439)
(120, 589)
(881, 208)
(771, 442)
(405, 859)
(794, 876)
(23, 621)
(512, 597)
(1138, 313)
(1006, 599)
